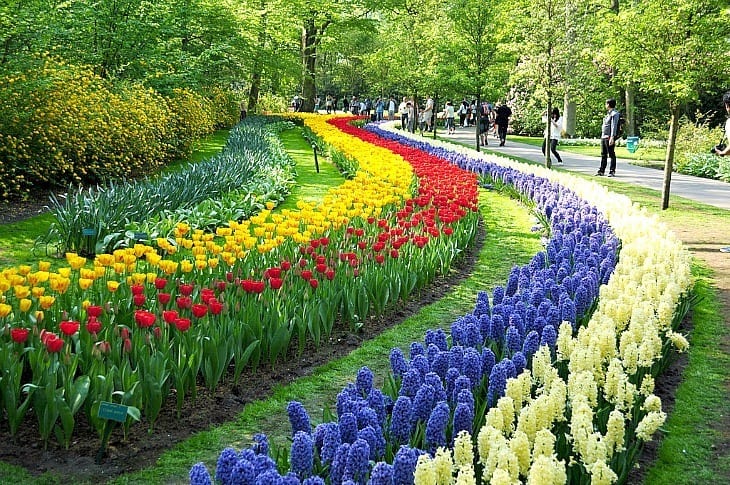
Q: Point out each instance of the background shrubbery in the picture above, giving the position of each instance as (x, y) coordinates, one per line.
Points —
(61, 124)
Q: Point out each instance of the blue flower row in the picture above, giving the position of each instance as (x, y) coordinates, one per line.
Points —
(445, 387)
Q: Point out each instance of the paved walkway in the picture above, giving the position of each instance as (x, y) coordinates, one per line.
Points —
(711, 192)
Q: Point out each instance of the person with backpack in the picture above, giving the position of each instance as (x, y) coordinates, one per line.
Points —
(609, 134)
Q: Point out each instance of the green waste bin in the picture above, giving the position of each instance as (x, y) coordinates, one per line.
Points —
(632, 143)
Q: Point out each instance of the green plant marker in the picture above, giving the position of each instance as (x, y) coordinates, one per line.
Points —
(112, 412)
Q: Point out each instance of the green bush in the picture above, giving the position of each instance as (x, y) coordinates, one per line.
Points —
(694, 141)
(62, 124)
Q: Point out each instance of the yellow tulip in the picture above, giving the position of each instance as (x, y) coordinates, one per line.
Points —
(5, 310)
(24, 305)
(85, 283)
(44, 266)
(46, 301)
(21, 291)
(112, 285)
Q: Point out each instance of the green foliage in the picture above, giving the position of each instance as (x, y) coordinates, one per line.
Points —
(250, 160)
(61, 124)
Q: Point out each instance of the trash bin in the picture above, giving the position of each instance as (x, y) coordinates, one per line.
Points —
(632, 143)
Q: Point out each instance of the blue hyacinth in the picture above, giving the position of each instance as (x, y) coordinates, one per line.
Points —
(411, 383)
(465, 396)
(531, 344)
(472, 367)
(417, 348)
(331, 441)
(512, 340)
(462, 382)
(298, 418)
(456, 357)
(199, 475)
(375, 440)
(463, 419)
(440, 364)
(302, 454)
(497, 295)
(398, 364)
(364, 382)
(497, 334)
(376, 400)
(314, 481)
(437, 338)
(348, 428)
(436, 426)
(497, 383)
(485, 327)
(482, 305)
(520, 362)
(269, 477)
(337, 470)
(423, 403)
(366, 416)
(261, 444)
(488, 360)
(433, 380)
(421, 364)
(358, 461)
(243, 473)
(451, 375)
(404, 465)
(290, 479)
(400, 421)
(549, 336)
(382, 474)
(431, 352)
(226, 461)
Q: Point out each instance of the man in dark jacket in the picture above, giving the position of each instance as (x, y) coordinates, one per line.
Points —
(502, 121)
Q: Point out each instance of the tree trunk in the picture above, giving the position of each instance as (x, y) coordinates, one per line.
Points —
(630, 111)
(309, 61)
(255, 89)
(569, 114)
(546, 135)
(669, 161)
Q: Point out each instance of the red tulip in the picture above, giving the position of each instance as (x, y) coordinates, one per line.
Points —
(186, 290)
(215, 307)
(306, 274)
(275, 283)
(448, 231)
(330, 274)
(182, 324)
(206, 294)
(124, 332)
(314, 243)
(127, 345)
(169, 316)
(144, 318)
(164, 298)
(93, 311)
(359, 232)
(137, 289)
(69, 327)
(229, 276)
(93, 325)
(184, 302)
(324, 241)
(313, 283)
(321, 268)
(54, 344)
(158, 332)
(394, 253)
(285, 265)
(139, 299)
(221, 285)
(199, 310)
(273, 272)
(160, 283)
(379, 258)
(19, 335)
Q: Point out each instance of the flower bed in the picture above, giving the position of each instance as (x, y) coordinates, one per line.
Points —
(545, 382)
(148, 319)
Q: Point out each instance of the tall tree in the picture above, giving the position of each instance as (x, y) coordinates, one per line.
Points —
(671, 49)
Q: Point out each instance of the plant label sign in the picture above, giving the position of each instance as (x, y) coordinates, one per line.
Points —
(113, 411)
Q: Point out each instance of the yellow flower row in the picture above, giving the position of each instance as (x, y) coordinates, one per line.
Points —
(622, 340)
(384, 179)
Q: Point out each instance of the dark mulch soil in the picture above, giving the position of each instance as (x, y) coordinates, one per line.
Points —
(141, 449)
(19, 210)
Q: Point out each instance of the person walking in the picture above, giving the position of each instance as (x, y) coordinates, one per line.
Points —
(403, 110)
(391, 108)
(449, 113)
(554, 136)
(502, 121)
(428, 113)
(609, 132)
(328, 104)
